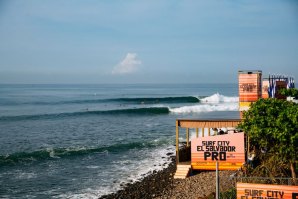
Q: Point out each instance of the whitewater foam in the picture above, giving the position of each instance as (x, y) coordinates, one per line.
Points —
(92, 167)
(125, 171)
(217, 98)
(25, 175)
(52, 153)
(205, 108)
(138, 169)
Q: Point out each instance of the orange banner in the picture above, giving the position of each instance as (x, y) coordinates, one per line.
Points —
(249, 86)
(266, 191)
(227, 149)
(265, 87)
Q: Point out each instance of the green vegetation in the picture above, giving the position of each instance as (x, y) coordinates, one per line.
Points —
(292, 92)
(272, 125)
(229, 194)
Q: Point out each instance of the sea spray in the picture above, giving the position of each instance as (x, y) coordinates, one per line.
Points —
(205, 108)
(217, 98)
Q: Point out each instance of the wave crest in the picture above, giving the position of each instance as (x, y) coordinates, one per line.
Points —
(54, 153)
(149, 100)
(217, 98)
(135, 111)
(144, 100)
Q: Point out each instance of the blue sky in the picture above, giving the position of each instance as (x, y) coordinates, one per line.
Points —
(153, 41)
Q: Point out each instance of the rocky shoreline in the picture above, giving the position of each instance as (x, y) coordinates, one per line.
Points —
(162, 185)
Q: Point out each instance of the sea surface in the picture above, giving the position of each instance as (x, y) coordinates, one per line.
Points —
(84, 141)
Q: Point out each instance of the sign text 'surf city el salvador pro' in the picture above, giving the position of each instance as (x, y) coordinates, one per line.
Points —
(266, 191)
(227, 149)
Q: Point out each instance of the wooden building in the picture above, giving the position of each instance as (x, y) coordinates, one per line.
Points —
(209, 145)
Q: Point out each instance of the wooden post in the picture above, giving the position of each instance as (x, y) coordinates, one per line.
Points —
(197, 132)
(208, 131)
(248, 147)
(217, 181)
(177, 142)
(187, 137)
(203, 132)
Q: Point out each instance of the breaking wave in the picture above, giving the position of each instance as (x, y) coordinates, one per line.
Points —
(135, 111)
(217, 98)
(53, 153)
(215, 102)
(144, 100)
(205, 108)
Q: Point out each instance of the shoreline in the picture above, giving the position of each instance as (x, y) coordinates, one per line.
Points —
(162, 185)
(151, 186)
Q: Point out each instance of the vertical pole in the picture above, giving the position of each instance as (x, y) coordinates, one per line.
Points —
(203, 132)
(248, 147)
(208, 131)
(187, 137)
(197, 132)
(177, 142)
(217, 181)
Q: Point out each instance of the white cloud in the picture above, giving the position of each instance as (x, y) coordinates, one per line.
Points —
(128, 65)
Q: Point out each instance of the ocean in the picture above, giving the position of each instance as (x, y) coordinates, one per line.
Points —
(84, 141)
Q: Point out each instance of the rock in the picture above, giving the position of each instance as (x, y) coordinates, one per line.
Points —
(161, 185)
